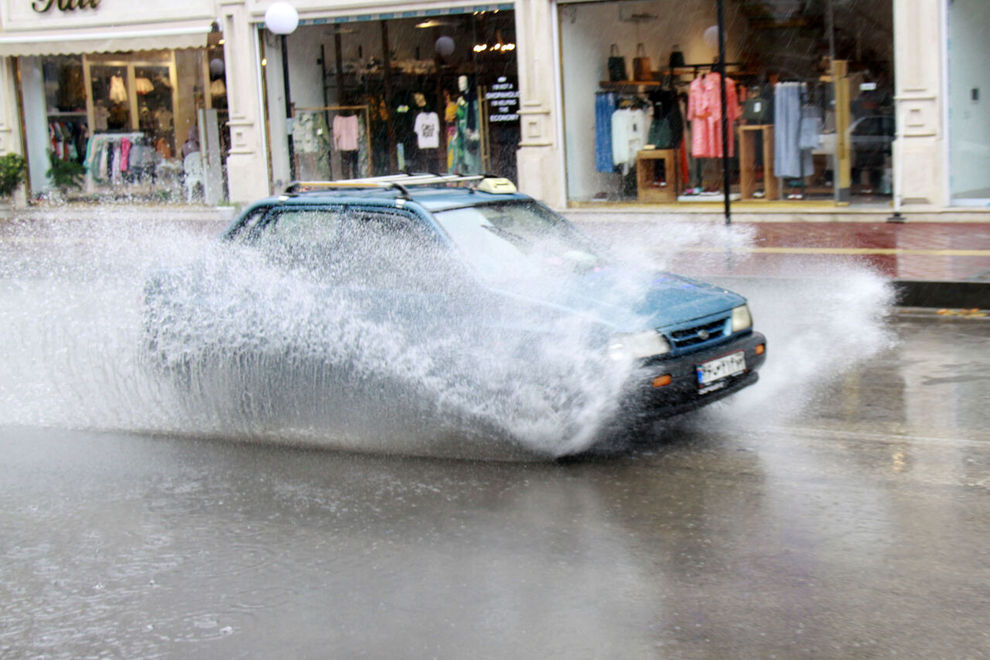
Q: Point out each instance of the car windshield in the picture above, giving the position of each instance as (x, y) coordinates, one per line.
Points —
(518, 240)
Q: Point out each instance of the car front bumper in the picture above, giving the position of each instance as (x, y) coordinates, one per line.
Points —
(649, 399)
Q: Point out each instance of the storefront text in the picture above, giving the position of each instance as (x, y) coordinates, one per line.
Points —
(42, 6)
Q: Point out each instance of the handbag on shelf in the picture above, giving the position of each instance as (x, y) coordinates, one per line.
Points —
(676, 58)
(616, 65)
(642, 67)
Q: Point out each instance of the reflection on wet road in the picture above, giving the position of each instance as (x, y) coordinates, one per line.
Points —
(857, 529)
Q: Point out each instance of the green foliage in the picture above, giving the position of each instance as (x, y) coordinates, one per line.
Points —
(12, 170)
(65, 174)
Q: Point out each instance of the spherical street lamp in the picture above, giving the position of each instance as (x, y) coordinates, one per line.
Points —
(281, 18)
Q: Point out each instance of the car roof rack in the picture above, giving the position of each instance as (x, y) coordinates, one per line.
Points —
(400, 182)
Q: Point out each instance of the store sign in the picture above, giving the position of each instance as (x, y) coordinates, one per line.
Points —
(43, 6)
(503, 101)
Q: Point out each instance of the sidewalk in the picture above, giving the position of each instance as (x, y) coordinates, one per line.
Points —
(933, 263)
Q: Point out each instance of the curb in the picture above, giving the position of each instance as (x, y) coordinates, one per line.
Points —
(909, 294)
(951, 295)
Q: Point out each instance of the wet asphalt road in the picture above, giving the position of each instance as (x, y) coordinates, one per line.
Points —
(858, 529)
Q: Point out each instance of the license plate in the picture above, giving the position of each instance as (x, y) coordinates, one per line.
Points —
(723, 367)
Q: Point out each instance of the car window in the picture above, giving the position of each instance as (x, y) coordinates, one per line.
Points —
(387, 249)
(302, 237)
(249, 224)
(518, 240)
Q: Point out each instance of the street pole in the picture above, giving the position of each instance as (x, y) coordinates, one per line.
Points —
(281, 18)
(288, 110)
(725, 113)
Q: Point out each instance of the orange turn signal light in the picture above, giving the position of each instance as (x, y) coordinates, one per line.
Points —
(761, 349)
(662, 381)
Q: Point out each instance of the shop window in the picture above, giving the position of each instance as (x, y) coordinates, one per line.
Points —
(129, 119)
(643, 118)
(428, 94)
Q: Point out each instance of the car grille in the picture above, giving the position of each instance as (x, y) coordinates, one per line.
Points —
(698, 334)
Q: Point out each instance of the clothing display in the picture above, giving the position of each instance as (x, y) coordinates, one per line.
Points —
(311, 144)
(629, 130)
(67, 138)
(790, 160)
(463, 148)
(118, 93)
(143, 86)
(667, 127)
(427, 128)
(101, 117)
(309, 133)
(345, 132)
(705, 114)
(604, 107)
(111, 156)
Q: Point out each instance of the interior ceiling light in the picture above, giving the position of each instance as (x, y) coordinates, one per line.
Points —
(430, 23)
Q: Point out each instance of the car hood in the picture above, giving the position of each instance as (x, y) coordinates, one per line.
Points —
(629, 301)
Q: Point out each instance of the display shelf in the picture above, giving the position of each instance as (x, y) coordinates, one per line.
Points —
(656, 175)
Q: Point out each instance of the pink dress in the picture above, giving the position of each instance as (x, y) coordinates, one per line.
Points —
(713, 101)
(696, 114)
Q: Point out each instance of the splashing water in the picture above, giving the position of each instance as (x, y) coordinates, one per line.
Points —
(255, 350)
(820, 316)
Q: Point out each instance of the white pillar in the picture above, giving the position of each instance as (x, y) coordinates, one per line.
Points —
(278, 142)
(10, 133)
(919, 163)
(540, 174)
(247, 164)
(10, 126)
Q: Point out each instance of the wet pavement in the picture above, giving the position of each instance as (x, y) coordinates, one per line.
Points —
(854, 526)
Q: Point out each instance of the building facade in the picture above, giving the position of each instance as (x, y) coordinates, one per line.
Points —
(892, 88)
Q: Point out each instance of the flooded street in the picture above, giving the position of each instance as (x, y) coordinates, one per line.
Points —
(838, 508)
(856, 529)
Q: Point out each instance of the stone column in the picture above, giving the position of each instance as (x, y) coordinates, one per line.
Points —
(540, 173)
(919, 154)
(247, 164)
(10, 125)
(10, 133)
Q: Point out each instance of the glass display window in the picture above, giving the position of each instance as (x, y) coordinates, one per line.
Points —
(434, 93)
(807, 112)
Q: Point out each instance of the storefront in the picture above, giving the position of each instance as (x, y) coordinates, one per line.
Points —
(968, 93)
(114, 109)
(809, 100)
(370, 94)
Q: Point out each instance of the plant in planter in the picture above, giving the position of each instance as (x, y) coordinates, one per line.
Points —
(12, 170)
(65, 174)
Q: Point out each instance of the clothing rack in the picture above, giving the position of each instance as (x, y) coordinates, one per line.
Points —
(96, 146)
(328, 110)
(687, 69)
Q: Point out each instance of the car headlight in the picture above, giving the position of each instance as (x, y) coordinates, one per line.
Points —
(638, 345)
(741, 319)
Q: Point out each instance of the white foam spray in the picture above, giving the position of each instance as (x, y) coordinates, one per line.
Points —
(305, 365)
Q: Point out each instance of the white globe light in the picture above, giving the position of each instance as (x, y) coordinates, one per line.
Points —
(444, 46)
(281, 18)
(216, 66)
(711, 36)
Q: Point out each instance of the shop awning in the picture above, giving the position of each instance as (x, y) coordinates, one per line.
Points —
(106, 40)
